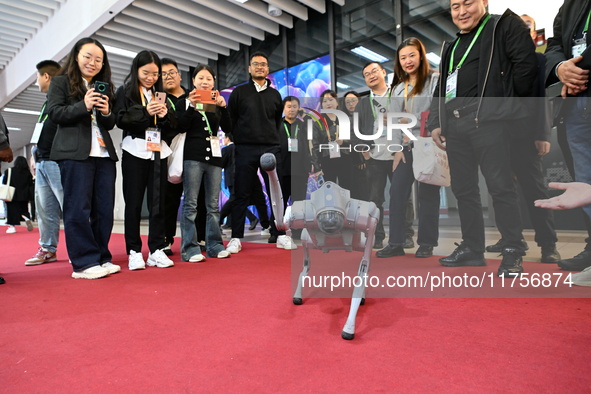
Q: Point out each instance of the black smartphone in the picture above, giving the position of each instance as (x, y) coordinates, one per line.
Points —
(101, 87)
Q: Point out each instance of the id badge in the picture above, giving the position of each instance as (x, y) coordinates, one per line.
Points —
(37, 133)
(579, 47)
(153, 139)
(98, 135)
(334, 151)
(216, 149)
(451, 86)
(292, 145)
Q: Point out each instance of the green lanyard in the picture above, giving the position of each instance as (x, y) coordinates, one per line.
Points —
(451, 62)
(373, 108)
(287, 130)
(206, 121)
(46, 115)
(586, 28)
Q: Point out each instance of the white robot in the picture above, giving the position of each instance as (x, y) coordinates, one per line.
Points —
(331, 220)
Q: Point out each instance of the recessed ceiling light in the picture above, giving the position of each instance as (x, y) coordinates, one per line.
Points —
(119, 51)
(369, 54)
(22, 111)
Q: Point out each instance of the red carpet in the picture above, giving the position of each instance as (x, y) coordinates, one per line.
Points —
(230, 326)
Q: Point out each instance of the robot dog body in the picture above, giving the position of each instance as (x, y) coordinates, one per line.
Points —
(331, 220)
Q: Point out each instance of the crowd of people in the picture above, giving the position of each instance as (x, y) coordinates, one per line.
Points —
(470, 108)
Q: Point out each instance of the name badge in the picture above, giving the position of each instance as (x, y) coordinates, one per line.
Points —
(216, 149)
(37, 133)
(98, 135)
(292, 145)
(153, 139)
(579, 47)
(451, 87)
(334, 152)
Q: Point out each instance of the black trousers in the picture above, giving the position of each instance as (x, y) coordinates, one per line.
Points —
(378, 171)
(138, 177)
(259, 203)
(527, 167)
(245, 175)
(174, 192)
(486, 147)
(15, 210)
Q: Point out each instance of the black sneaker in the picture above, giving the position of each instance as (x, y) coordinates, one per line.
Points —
(512, 264)
(550, 255)
(424, 251)
(500, 245)
(390, 251)
(253, 224)
(577, 263)
(272, 239)
(2, 281)
(463, 256)
(409, 243)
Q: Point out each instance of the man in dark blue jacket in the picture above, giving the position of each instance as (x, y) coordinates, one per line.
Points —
(564, 63)
(483, 73)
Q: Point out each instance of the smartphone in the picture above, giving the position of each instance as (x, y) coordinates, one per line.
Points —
(101, 87)
(207, 96)
(160, 97)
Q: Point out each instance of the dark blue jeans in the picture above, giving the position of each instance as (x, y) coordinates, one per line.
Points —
(89, 200)
(402, 181)
(578, 133)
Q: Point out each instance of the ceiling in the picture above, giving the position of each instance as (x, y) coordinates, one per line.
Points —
(189, 31)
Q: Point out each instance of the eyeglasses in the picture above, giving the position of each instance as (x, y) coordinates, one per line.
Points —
(171, 74)
(147, 74)
(257, 64)
(375, 71)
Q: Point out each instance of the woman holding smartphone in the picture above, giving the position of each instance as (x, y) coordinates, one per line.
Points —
(86, 156)
(143, 114)
(414, 84)
(202, 160)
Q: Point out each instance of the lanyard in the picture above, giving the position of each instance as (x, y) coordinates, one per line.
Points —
(144, 103)
(406, 107)
(451, 62)
(41, 114)
(586, 28)
(373, 109)
(287, 130)
(206, 121)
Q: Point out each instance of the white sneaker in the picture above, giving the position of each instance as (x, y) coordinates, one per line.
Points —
(28, 222)
(223, 254)
(234, 246)
(285, 242)
(159, 259)
(266, 232)
(582, 278)
(196, 258)
(136, 261)
(113, 268)
(94, 272)
(11, 230)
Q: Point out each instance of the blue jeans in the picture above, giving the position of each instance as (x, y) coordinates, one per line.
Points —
(578, 134)
(193, 173)
(89, 201)
(49, 200)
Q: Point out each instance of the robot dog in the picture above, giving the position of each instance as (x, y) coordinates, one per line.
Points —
(331, 220)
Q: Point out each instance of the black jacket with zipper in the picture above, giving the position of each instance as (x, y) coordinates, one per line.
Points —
(508, 68)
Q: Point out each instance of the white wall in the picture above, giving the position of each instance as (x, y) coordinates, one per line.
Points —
(543, 11)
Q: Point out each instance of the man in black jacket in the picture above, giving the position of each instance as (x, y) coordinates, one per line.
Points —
(483, 72)
(255, 109)
(563, 61)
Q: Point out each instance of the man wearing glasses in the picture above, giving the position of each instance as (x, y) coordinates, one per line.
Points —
(372, 111)
(256, 110)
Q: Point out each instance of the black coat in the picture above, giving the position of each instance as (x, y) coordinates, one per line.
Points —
(22, 181)
(507, 70)
(559, 48)
(74, 130)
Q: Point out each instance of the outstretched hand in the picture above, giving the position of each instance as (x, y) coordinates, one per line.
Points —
(577, 194)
